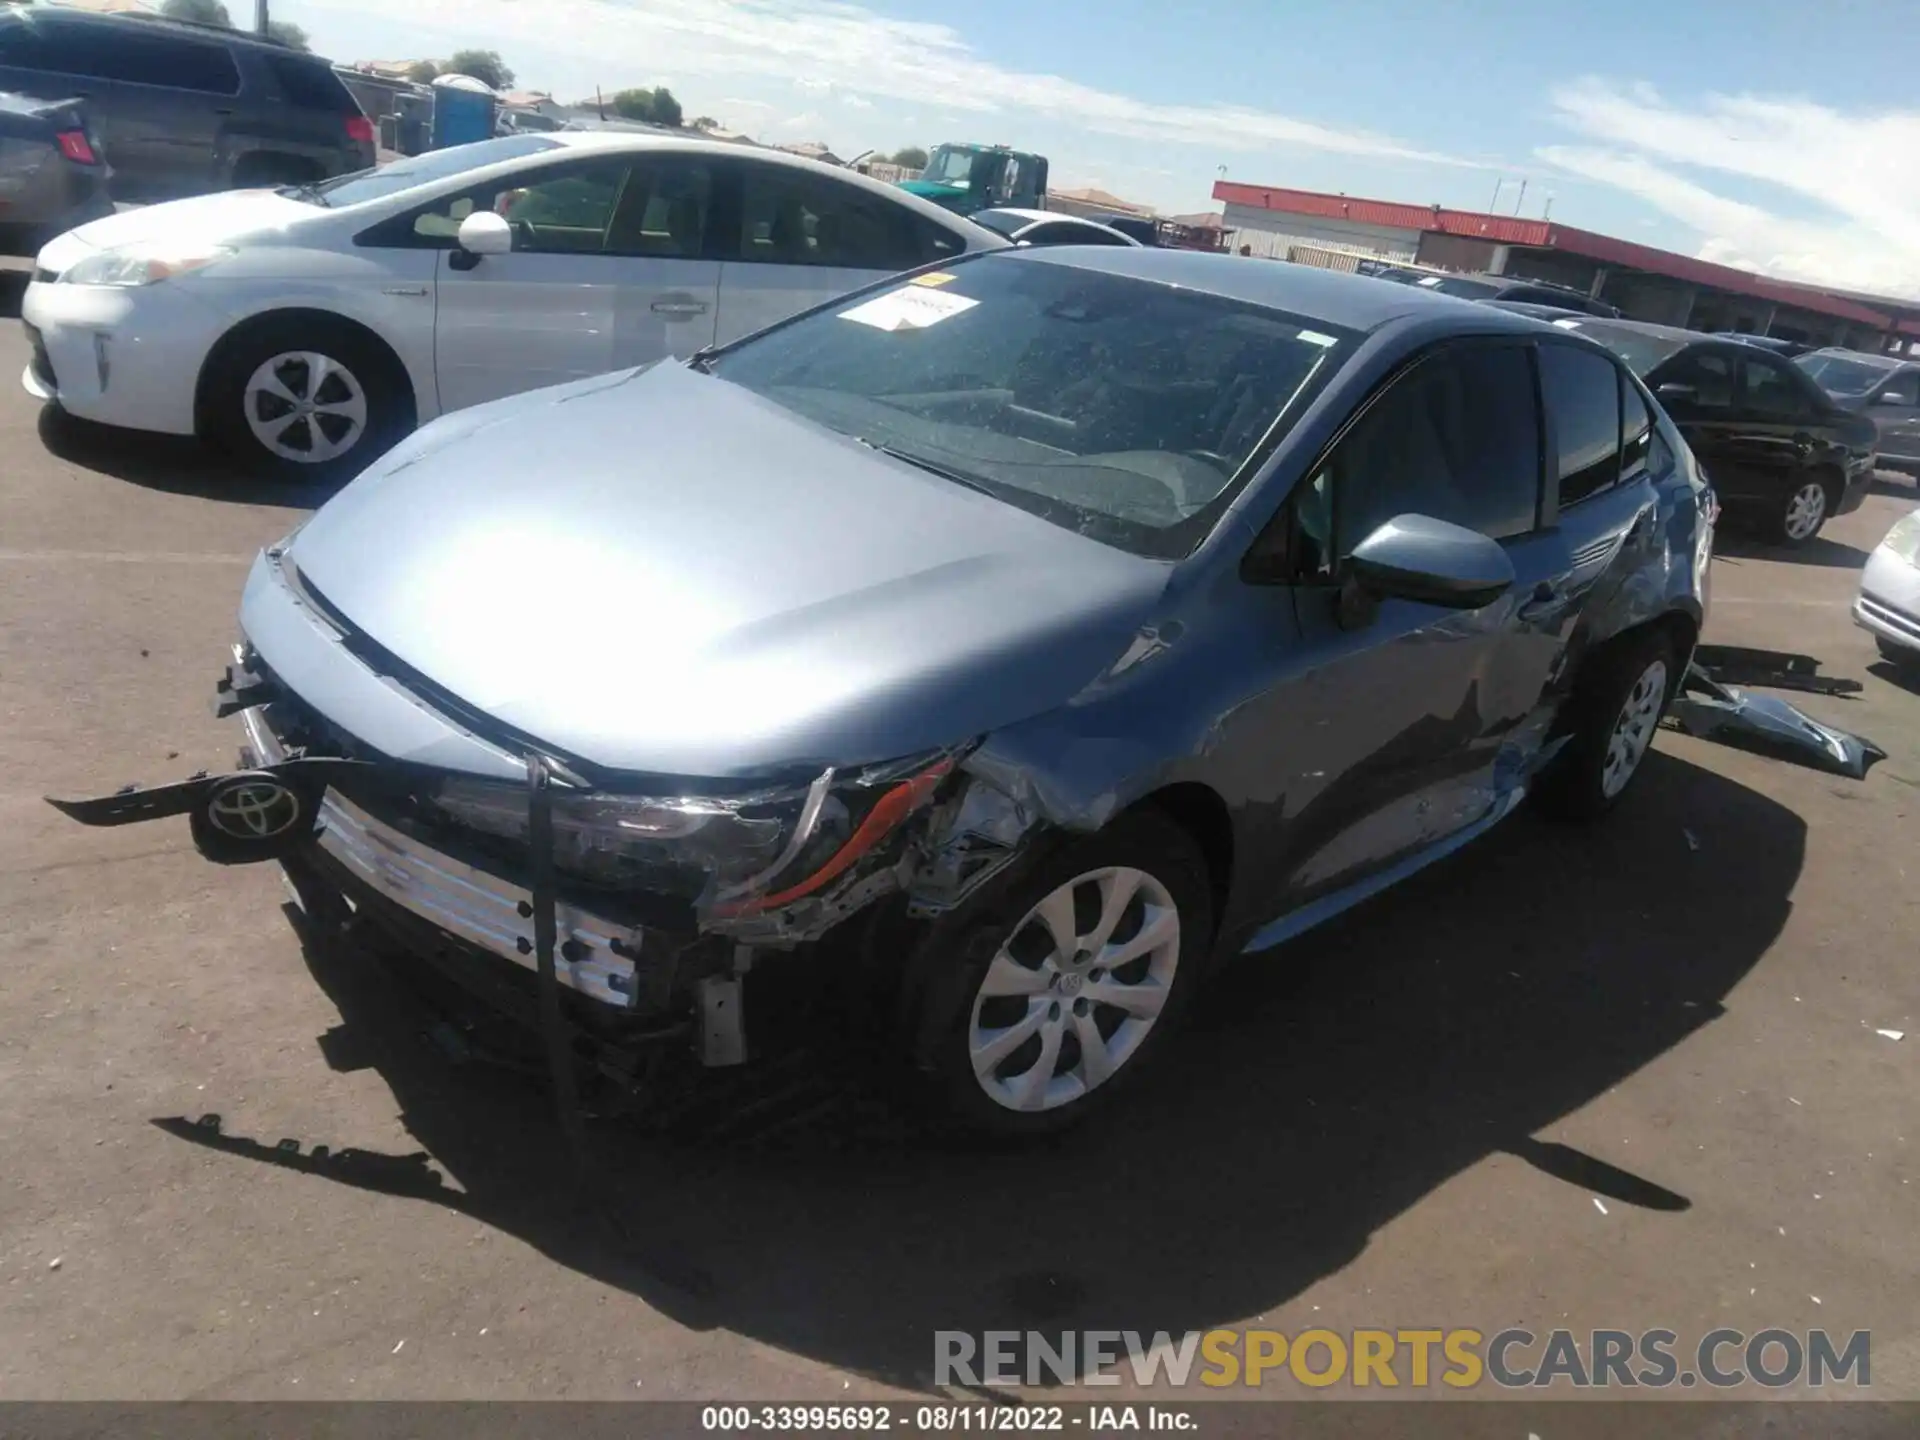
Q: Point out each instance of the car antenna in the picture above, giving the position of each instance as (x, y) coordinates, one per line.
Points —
(600, 102)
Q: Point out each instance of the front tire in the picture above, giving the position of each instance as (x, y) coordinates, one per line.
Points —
(1059, 990)
(1611, 717)
(1801, 515)
(309, 401)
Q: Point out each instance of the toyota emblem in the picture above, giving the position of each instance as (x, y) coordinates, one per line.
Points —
(254, 809)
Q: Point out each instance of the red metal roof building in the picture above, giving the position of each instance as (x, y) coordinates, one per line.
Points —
(1646, 283)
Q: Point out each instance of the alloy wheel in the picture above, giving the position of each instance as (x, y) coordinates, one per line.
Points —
(1075, 989)
(305, 407)
(1806, 510)
(1633, 728)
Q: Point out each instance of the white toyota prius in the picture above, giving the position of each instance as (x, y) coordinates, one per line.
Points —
(307, 328)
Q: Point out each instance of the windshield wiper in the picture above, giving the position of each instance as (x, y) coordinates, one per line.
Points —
(934, 467)
(309, 192)
(701, 360)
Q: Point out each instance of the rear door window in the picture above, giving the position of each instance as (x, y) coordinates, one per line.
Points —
(176, 62)
(1582, 394)
(1768, 390)
(1708, 374)
(664, 209)
(792, 217)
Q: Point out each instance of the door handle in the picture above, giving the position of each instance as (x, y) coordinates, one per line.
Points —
(404, 290)
(680, 309)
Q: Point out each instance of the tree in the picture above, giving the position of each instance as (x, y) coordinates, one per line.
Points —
(422, 72)
(288, 34)
(666, 109)
(655, 107)
(705, 122)
(485, 66)
(911, 157)
(201, 12)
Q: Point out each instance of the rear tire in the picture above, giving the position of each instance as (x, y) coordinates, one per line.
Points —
(1016, 995)
(310, 400)
(1617, 703)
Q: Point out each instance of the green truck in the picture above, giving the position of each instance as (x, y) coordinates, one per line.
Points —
(965, 178)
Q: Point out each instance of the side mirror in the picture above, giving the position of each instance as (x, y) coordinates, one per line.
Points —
(484, 233)
(1416, 557)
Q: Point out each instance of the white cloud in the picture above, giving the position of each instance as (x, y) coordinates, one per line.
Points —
(855, 102)
(1850, 211)
(841, 44)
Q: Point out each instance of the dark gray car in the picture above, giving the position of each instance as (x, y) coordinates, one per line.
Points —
(52, 176)
(1884, 389)
(1008, 645)
(185, 109)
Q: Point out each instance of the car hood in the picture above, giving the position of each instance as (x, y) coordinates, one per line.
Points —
(659, 572)
(213, 219)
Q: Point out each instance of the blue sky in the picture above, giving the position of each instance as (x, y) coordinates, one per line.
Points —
(1780, 135)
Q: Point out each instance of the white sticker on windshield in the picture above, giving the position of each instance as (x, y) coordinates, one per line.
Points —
(1430, 280)
(1314, 337)
(1567, 324)
(912, 308)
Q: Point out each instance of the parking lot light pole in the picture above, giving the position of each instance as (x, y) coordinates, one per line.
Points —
(259, 17)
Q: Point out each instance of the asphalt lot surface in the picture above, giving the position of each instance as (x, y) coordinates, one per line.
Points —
(1623, 1077)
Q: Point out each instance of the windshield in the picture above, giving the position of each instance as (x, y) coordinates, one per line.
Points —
(949, 166)
(1458, 285)
(1124, 409)
(1643, 350)
(365, 185)
(1843, 374)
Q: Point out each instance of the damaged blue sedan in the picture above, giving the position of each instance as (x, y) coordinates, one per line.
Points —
(1007, 644)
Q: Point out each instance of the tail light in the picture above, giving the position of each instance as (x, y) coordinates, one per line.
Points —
(76, 147)
(359, 127)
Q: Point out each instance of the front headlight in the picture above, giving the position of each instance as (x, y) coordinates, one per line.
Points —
(1903, 540)
(148, 264)
(734, 856)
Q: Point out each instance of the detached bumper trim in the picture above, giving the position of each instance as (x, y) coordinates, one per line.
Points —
(592, 956)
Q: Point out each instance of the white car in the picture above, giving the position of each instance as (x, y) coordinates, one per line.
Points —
(1045, 227)
(1889, 600)
(307, 328)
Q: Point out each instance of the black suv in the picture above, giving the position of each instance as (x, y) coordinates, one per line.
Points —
(182, 109)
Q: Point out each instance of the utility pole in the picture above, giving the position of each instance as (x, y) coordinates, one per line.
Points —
(260, 17)
(1496, 194)
(1523, 198)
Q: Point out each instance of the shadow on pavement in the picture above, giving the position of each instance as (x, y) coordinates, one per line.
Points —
(1821, 551)
(1321, 1091)
(176, 464)
(1903, 676)
(13, 289)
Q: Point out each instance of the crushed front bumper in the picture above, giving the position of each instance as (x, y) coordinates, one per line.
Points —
(594, 956)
